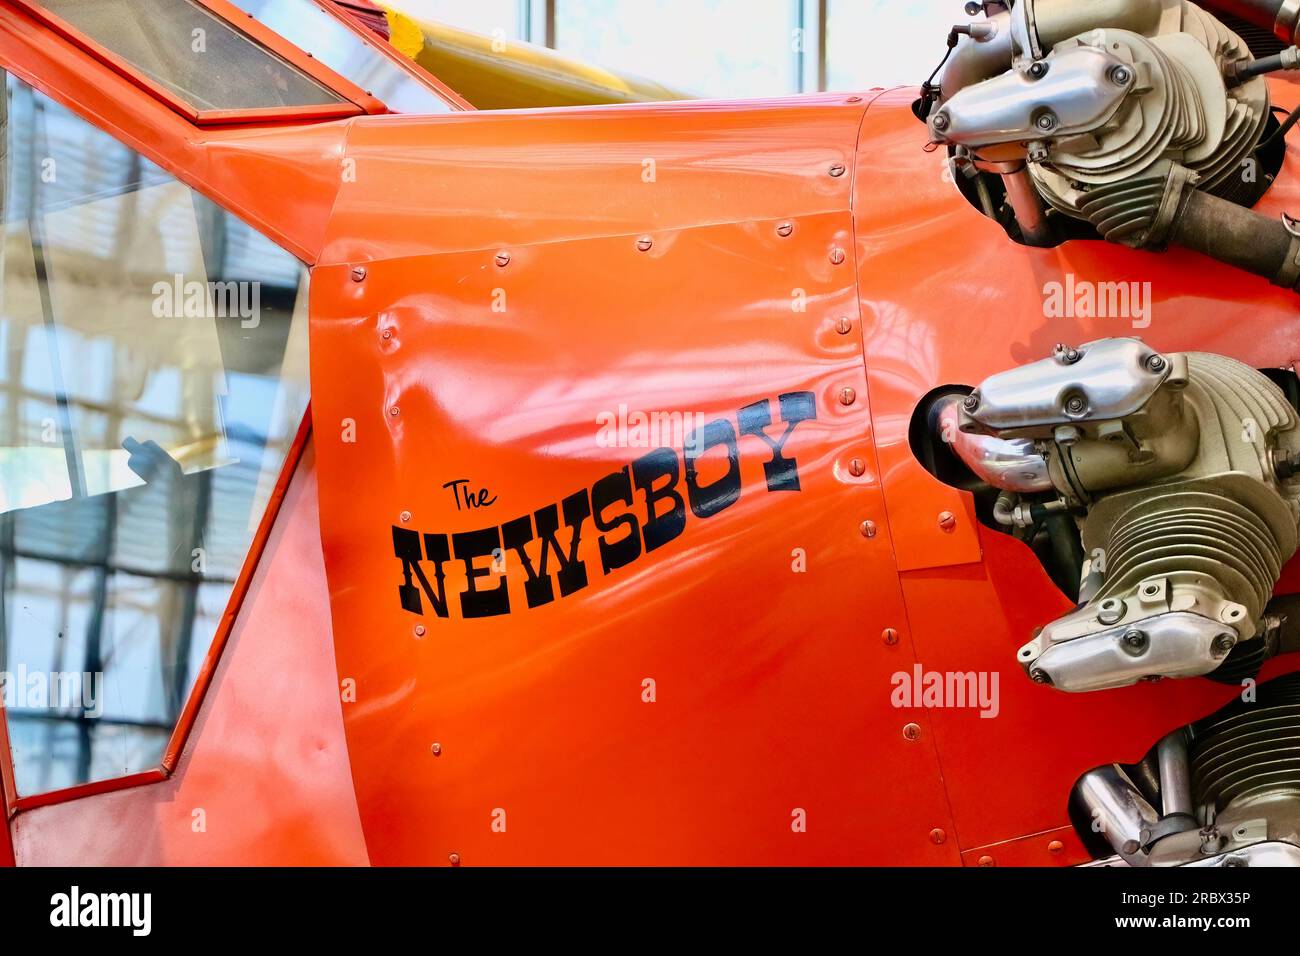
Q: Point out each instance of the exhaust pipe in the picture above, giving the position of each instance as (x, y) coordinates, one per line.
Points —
(1239, 237)
(1008, 464)
(1117, 810)
(1280, 16)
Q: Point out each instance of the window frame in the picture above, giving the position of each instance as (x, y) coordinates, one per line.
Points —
(357, 102)
(11, 801)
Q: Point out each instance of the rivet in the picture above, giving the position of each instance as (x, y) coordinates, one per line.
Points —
(419, 628)
(387, 333)
(394, 411)
(454, 859)
(503, 258)
(358, 273)
(912, 732)
(937, 836)
(856, 467)
(890, 636)
(437, 750)
(837, 169)
(784, 229)
(844, 325)
(837, 256)
(987, 861)
(1056, 846)
(644, 243)
(406, 516)
(947, 520)
(854, 99)
(847, 396)
(868, 529)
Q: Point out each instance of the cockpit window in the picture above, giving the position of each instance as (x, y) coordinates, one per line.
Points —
(185, 48)
(349, 53)
(153, 375)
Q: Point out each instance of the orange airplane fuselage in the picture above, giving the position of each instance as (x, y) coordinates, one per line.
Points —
(607, 543)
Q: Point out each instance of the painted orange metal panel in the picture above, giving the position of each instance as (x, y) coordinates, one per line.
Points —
(771, 676)
(465, 181)
(492, 287)
(266, 762)
(1059, 847)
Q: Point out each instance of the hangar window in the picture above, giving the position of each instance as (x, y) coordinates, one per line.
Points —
(153, 376)
(195, 60)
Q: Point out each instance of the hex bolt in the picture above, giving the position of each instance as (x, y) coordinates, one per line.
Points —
(436, 749)
(844, 325)
(937, 836)
(837, 170)
(890, 636)
(1067, 435)
(1121, 75)
(848, 396)
(837, 256)
(971, 401)
(358, 274)
(419, 630)
(940, 121)
(1046, 122)
(868, 529)
(1067, 355)
(1135, 642)
(1223, 643)
(503, 259)
(1156, 363)
(912, 731)
(644, 243)
(784, 229)
(856, 467)
(947, 520)
(1039, 677)
(1038, 69)
(1075, 405)
(1111, 611)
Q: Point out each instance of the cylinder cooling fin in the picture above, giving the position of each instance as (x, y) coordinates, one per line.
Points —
(1248, 753)
(1146, 123)
(1224, 791)
(1172, 477)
